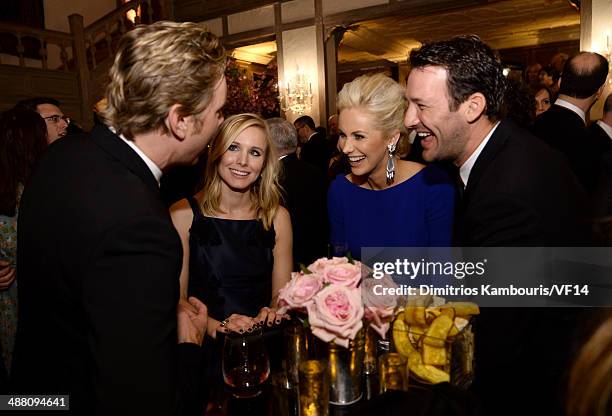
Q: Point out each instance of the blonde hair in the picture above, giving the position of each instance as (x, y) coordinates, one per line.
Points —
(590, 384)
(157, 66)
(265, 193)
(381, 97)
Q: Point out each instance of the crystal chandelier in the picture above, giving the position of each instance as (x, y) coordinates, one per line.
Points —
(297, 95)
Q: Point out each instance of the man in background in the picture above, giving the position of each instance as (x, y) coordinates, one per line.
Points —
(304, 194)
(315, 149)
(49, 109)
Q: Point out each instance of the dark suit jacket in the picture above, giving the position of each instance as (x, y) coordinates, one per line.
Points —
(520, 192)
(565, 131)
(98, 261)
(305, 196)
(317, 151)
(602, 197)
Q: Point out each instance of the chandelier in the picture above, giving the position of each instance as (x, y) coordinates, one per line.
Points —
(297, 95)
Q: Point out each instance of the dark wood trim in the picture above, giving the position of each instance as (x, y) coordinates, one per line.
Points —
(235, 6)
(412, 8)
(225, 24)
(586, 24)
(267, 32)
(361, 66)
(320, 44)
(278, 29)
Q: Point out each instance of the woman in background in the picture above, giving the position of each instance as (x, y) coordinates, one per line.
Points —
(384, 201)
(23, 138)
(544, 99)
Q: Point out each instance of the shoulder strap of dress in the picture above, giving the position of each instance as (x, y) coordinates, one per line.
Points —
(195, 207)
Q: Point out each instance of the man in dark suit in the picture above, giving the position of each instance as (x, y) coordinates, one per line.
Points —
(316, 150)
(563, 126)
(304, 195)
(98, 257)
(601, 134)
(515, 191)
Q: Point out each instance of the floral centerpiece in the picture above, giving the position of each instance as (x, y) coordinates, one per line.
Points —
(337, 294)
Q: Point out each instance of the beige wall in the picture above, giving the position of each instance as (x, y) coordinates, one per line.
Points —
(56, 18)
(601, 42)
(57, 12)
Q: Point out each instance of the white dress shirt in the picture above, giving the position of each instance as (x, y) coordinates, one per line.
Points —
(571, 107)
(466, 168)
(155, 170)
(605, 127)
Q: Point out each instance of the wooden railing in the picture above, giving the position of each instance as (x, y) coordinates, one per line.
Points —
(43, 38)
(82, 50)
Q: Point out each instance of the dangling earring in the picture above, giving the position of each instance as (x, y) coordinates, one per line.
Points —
(391, 163)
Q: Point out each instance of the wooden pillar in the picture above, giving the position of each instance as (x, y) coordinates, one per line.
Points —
(596, 36)
(167, 9)
(278, 32)
(321, 52)
(80, 59)
(332, 41)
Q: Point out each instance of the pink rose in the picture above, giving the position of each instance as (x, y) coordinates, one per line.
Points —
(319, 265)
(298, 292)
(335, 314)
(344, 274)
(379, 306)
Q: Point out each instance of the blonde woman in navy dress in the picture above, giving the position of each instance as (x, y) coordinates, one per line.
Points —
(384, 201)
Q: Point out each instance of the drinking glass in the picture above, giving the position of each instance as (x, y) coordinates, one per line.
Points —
(245, 363)
(313, 388)
(393, 372)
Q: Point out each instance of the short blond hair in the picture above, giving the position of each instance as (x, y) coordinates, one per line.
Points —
(157, 66)
(265, 192)
(378, 95)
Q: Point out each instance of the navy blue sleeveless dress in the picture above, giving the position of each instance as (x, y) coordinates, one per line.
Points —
(230, 264)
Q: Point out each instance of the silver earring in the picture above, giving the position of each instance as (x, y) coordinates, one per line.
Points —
(390, 164)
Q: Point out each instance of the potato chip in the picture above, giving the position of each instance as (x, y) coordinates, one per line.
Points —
(438, 331)
(434, 355)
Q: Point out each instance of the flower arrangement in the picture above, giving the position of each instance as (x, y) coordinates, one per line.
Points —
(336, 299)
(251, 94)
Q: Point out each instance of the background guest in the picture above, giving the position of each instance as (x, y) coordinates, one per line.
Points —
(549, 77)
(304, 190)
(49, 109)
(315, 149)
(383, 201)
(544, 99)
(23, 138)
(563, 126)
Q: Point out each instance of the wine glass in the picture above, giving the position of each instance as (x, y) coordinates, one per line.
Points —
(245, 363)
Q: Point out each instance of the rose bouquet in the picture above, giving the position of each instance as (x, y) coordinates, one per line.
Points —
(336, 299)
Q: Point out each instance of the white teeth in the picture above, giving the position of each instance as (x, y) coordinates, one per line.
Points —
(239, 172)
(356, 158)
(423, 134)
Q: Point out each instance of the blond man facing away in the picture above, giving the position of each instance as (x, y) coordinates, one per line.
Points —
(98, 258)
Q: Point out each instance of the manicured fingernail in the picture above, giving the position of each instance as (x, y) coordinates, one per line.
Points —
(278, 321)
(250, 329)
(241, 330)
(261, 322)
(270, 323)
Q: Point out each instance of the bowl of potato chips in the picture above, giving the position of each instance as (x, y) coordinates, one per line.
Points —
(438, 341)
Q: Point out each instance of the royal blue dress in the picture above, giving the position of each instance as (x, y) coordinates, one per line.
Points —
(415, 213)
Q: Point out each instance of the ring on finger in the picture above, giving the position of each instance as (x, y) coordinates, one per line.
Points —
(223, 323)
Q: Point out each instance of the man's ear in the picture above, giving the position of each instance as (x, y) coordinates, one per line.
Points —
(176, 123)
(474, 107)
(599, 92)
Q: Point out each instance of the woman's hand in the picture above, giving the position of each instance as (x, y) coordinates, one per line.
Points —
(269, 316)
(236, 323)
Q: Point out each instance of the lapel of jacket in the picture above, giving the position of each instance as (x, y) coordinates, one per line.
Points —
(119, 150)
(486, 157)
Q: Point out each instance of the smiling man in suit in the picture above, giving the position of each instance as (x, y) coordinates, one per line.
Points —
(98, 257)
(515, 191)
